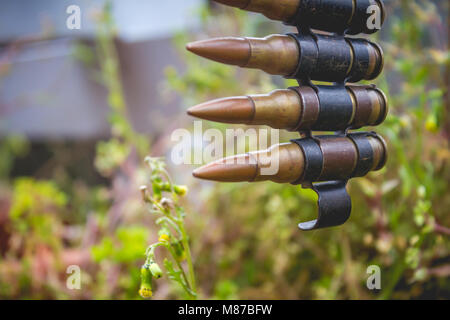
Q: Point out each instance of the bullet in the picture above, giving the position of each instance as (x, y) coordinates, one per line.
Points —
(301, 108)
(338, 158)
(248, 167)
(249, 52)
(323, 58)
(334, 16)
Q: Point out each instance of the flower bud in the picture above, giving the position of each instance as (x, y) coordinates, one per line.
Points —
(165, 186)
(146, 282)
(164, 237)
(166, 203)
(431, 124)
(144, 193)
(180, 190)
(155, 270)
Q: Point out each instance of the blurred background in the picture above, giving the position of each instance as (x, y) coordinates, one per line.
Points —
(80, 109)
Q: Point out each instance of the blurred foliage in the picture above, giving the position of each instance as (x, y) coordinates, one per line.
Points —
(11, 147)
(35, 244)
(100, 229)
(112, 156)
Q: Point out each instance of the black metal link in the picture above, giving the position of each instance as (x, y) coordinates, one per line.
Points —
(313, 159)
(365, 154)
(336, 108)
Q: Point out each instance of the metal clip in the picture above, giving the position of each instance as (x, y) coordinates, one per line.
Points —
(334, 205)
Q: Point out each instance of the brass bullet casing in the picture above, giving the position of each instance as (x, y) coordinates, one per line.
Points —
(333, 16)
(338, 158)
(324, 108)
(321, 57)
(259, 53)
(371, 105)
(279, 109)
(274, 54)
(249, 167)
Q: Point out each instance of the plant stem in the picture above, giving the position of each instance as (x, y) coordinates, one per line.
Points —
(169, 248)
(185, 243)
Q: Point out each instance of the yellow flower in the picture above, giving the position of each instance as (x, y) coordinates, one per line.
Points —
(145, 292)
(164, 237)
(431, 124)
(180, 190)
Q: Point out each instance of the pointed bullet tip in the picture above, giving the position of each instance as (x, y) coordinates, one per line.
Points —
(201, 173)
(195, 111)
(190, 112)
(196, 173)
(189, 46)
(226, 110)
(234, 51)
(234, 3)
(195, 46)
(233, 169)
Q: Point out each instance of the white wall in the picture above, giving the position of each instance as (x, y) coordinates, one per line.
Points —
(137, 19)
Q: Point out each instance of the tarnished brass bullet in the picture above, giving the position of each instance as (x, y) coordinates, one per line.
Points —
(340, 158)
(281, 10)
(339, 15)
(322, 57)
(226, 110)
(301, 108)
(258, 53)
(287, 157)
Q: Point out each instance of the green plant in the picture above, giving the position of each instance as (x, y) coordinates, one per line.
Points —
(11, 148)
(112, 154)
(163, 202)
(35, 243)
